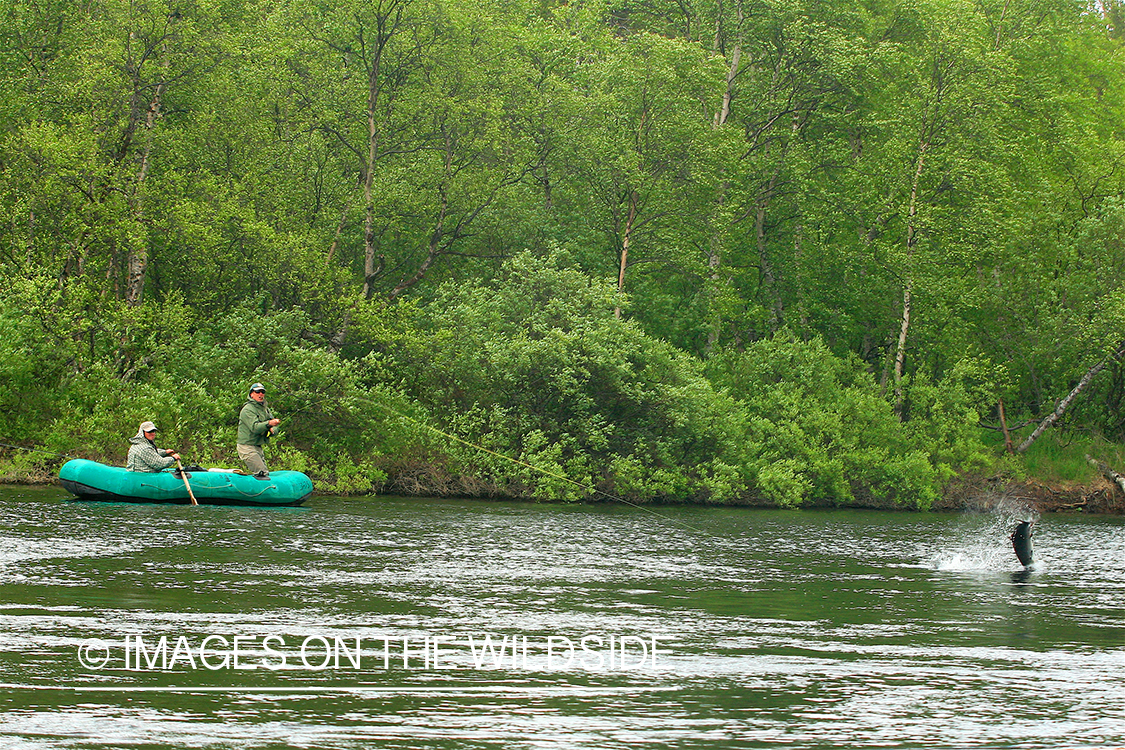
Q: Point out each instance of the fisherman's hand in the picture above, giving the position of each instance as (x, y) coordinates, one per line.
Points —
(274, 422)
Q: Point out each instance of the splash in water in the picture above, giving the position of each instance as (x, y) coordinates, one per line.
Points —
(989, 546)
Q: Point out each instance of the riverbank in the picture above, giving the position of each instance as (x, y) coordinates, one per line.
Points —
(988, 493)
(975, 493)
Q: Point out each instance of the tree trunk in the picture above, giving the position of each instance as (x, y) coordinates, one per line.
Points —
(1004, 426)
(908, 283)
(137, 258)
(339, 230)
(715, 250)
(369, 255)
(625, 242)
(136, 268)
(728, 92)
(714, 261)
(1065, 403)
(1107, 472)
(900, 348)
(769, 279)
(388, 24)
(432, 252)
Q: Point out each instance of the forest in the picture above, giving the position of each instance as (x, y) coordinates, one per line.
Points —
(718, 251)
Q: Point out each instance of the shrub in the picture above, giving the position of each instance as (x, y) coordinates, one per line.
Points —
(817, 429)
(537, 368)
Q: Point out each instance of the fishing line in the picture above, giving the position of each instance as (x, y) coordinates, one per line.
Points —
(37, 450)
(587, 488)
(476, 446)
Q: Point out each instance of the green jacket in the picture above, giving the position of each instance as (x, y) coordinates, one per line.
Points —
(253, 423)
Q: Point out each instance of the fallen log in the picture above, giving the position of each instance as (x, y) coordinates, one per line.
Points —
(1061, 408)
(1108, 473)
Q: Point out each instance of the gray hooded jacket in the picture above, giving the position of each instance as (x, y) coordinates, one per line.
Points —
(144, 456)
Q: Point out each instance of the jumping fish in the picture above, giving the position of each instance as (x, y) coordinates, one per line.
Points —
(1021, 542)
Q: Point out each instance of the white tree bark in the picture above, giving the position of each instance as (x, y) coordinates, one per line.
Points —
(1062, 407)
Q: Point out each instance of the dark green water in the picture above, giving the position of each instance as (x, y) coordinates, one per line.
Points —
(773, 629)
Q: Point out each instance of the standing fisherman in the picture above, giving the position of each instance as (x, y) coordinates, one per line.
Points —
(256, 425)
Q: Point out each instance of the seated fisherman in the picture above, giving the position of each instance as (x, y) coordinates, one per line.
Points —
(145, 456)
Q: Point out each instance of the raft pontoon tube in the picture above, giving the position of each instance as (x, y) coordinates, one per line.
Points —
(90, 480)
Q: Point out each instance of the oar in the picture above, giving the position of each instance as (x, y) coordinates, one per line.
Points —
(183, 476)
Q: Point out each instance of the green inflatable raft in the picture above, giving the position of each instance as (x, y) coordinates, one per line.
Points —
(90, 480)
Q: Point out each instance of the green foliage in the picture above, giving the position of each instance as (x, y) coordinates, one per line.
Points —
(192, 378)
(820, 431)
(1058, 461)
(945, 416)
(1060, 458)
(360, 204)
(537, 368)
(28, 374)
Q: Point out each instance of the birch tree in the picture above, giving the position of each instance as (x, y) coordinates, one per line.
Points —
(102, 88)
(927, 159)
(636, 157)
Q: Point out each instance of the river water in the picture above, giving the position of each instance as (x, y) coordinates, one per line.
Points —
(407, 623)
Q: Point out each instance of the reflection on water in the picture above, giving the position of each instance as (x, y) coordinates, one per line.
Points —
(462, 625)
